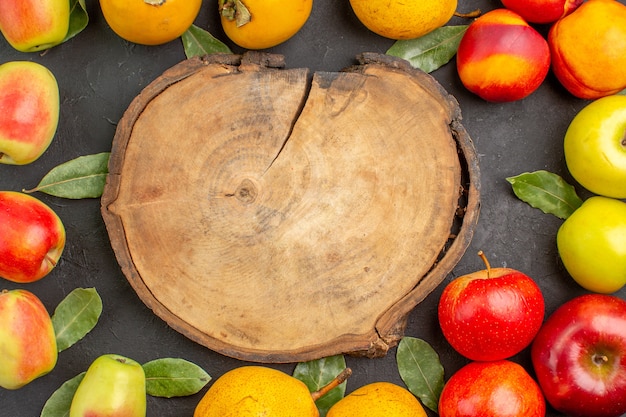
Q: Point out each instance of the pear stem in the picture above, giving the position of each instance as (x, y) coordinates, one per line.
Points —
(469, 15)
(338, 380)
(485, 261)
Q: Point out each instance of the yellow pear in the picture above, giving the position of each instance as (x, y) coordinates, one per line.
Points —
(255, 391)
(378, 399)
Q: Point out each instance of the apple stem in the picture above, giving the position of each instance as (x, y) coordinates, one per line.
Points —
(600, 359)
(338, 380)
(52, 261)
(485, 261)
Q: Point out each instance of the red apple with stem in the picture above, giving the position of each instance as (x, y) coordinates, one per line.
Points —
(579, 357)
(32, 237)
(491, 314)
(491, 389)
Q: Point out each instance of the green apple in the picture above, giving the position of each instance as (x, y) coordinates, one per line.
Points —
(29, 111)
(28, 344)
(34, 25)
(113, 385)
(592, 244)
(595, 146)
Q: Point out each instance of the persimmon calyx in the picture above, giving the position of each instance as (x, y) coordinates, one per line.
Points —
(235, 10)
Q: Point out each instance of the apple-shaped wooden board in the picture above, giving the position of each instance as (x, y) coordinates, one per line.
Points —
(274, 216)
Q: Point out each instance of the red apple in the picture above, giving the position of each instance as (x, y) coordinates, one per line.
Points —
(491, 389)
(34, 25)
(579, 356)
(27, 339)
(32, 237)
(501, 57)
(542, 11)
(29, 111)
(491, 314)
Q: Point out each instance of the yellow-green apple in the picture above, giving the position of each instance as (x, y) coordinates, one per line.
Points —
(114, 385)
(29, 111)
(592, 244)
(32, 237)
(491, 389)
(491, 314)
(595, 146)
(34, 25)
(27, 339)
(501, 57)
(542, 11)
(588, 49)
(579, 357)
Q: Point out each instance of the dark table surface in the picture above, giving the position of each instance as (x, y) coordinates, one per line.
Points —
(99, 74)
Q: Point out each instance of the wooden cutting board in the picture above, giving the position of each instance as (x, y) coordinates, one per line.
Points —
(275, 215)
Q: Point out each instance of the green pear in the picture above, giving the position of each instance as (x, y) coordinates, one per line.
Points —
(112, 386)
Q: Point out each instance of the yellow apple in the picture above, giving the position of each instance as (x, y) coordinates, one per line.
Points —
(29, 111)
(34, 25)
(595, 146)
(592, 244)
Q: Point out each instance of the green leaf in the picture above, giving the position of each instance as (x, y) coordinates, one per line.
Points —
(58, 405)
(547, 192)
(316, 374)
(78, 18)
(432, 50)
(173, 377)
(421, 370)
(83, 177)
(76, 316)
(199, 42)
(623, 92)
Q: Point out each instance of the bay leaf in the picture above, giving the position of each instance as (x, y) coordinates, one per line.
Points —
(431, 51)
(174, 377)
(547, 192)
(75, 316)
(199, 42)
(83, 177)
(58, 404)
(421, 370)
(317, 373)
(79, 18)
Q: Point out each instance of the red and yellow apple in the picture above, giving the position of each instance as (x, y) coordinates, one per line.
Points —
(27, 339)
(29, 111)
(491, 389)
(588, 49)
(592, 244)
(542, 11)
(32, 237)
(501, 57)
(114, 385)
(34, 25)
(491, 314)
(595, 146)
(579, 357)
